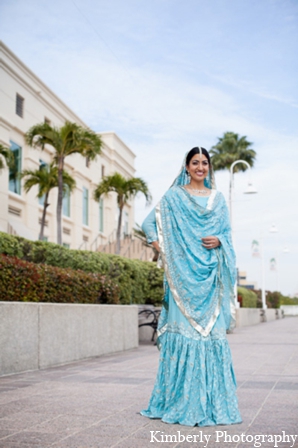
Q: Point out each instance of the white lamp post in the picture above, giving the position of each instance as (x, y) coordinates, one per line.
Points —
(273, 229)
(249, 190)
(285, 250)
(264, 304)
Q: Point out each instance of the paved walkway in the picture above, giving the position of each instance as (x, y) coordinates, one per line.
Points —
(95, 403)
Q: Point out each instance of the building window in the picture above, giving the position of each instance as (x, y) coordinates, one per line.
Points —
(14, 210)
(85, 207)
(102, 171)
(47, 120)
(42, 165)
(66, 202)
(20, 105)
(101, 215)
(66, 245)
(15, 168)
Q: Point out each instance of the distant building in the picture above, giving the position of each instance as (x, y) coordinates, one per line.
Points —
(25, 101)
(242, 281)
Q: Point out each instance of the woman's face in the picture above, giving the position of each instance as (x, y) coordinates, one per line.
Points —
(198, 167)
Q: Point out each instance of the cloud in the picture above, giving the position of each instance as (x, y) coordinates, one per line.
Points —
(249, 87)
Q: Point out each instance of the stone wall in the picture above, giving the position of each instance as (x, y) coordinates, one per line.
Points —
(39, 335)
(290, 310)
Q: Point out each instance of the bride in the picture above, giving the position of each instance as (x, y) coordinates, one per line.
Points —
(195, 383)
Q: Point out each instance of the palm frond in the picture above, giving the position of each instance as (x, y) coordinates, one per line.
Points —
(113, 183)
(42, 134)
(7, 155)
(69, 139)
(124, 188)
(137, 185)
(230, 148)
(46, 178)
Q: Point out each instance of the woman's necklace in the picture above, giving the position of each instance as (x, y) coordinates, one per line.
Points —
(198, 191)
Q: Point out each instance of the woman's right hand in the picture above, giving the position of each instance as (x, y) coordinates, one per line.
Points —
(156, 245)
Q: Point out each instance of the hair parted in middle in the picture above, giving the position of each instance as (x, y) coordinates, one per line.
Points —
(197, 150)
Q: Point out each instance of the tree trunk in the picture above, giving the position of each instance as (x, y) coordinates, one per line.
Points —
(119, 230)
(60, 199)
(43, 219)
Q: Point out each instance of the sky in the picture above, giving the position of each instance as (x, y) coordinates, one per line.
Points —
(168, 75)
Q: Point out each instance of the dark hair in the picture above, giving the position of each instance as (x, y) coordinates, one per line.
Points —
(195, 151)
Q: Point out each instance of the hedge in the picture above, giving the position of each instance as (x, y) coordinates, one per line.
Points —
(137, 281)
(248, 298)
(288, 300)
(25, 281)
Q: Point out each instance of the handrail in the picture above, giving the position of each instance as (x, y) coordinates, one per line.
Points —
(112, 239)
(130, 236)
(134, 243)
(143, 251)
(82, 244)
(109, 241)
(99, 235)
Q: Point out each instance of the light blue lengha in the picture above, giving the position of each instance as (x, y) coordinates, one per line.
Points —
(195, 383)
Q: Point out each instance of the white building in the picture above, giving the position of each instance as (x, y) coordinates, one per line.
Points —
(242, 281)
(25, 101)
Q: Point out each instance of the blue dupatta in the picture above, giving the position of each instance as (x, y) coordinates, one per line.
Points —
(201, 280)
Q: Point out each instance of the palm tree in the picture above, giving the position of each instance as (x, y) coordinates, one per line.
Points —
(46, 178)
(125, 189)
(7, 154)
(69, 139)
(230, 148)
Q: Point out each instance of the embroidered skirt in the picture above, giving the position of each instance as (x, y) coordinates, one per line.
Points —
(195, 383)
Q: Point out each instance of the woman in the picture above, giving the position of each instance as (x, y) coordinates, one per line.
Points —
(195, 383)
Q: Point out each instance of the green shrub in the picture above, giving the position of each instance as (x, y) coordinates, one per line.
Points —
(138, 281)
(19, 280)
(288, 300)
(274, 299)
(25, 281)
(248, 298)
(10, 245)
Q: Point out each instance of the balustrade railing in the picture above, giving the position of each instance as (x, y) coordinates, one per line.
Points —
(131, 246)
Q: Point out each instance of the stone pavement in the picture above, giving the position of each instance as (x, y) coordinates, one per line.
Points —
(95, 403)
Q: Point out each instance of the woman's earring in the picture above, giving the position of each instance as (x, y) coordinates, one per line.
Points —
(187, 173)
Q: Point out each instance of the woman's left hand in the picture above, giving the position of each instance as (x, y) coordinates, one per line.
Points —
(210, 242)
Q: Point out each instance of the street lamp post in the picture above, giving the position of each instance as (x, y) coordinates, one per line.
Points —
(260, 254)
(285, 250)
(274, 229)
(249, 190)
(264, 304)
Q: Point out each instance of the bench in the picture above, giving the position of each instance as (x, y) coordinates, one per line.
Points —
(151, 320)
